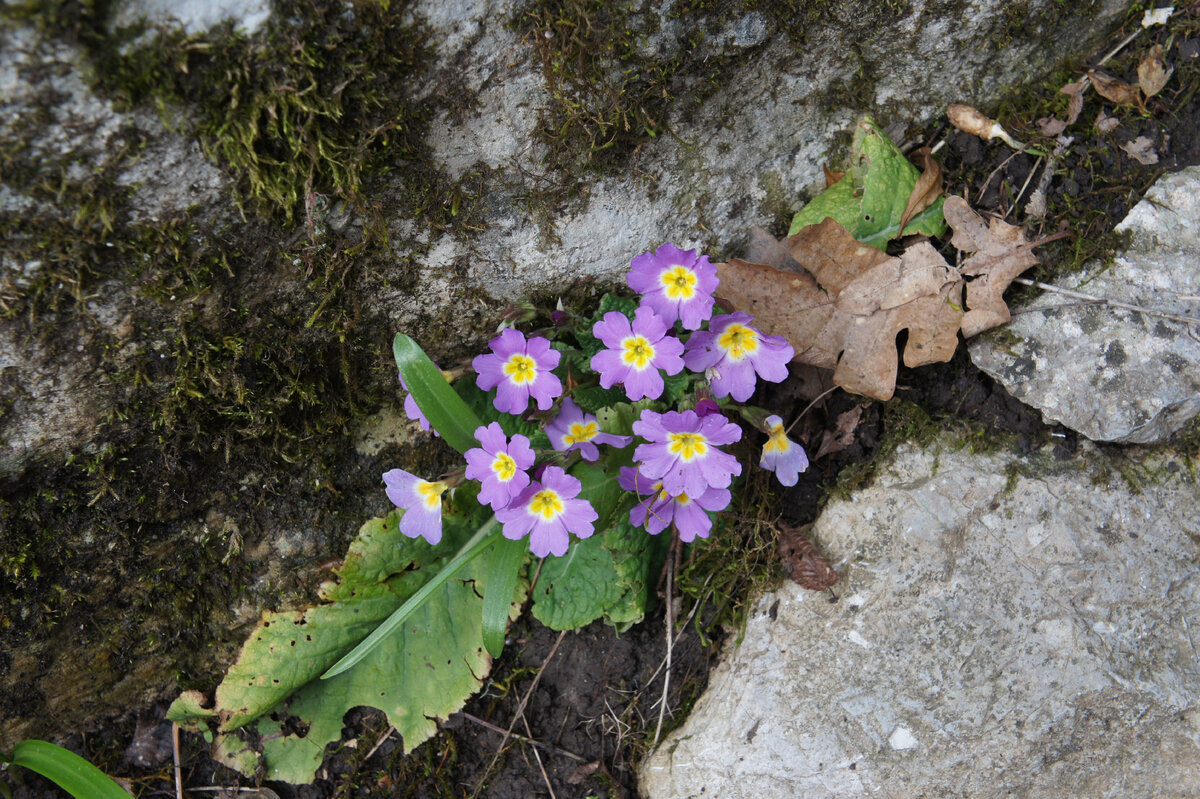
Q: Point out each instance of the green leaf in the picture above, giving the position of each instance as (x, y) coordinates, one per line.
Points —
(412, 605)
(637, 558)
(576, 589)
(72, 773)
(422, 672)
(870, 200)
(600, 486)
(593, 398)
(613, 302)
(618, 418)
(444, 409)
(504, 562)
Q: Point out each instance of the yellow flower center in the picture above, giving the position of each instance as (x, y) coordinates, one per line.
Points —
(638, 352)
(687, 445)
(431, 492)
(520, 369)
(739, 341)
(504, 466)
(679, 282)
(778, 442)
(547, 504)
(581, 432)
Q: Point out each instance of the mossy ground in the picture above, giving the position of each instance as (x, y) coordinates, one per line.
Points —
(246, 356)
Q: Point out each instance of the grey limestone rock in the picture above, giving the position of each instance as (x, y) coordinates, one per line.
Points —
(1005, 627)
(1109, 373)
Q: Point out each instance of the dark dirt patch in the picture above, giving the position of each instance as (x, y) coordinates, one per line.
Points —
(594, 708)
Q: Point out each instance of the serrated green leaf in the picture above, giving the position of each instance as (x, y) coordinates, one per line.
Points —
(444, 409)
(870, 200)
(576, 589)
(613, 302)
(637, 559)
(593, 398)
(838, 201)
(618, 418)
(422, 672)
(675, 387)
(600, 486)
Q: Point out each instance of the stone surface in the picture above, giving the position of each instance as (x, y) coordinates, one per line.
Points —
(195, 16)
(1113, 374)
(1005, 627)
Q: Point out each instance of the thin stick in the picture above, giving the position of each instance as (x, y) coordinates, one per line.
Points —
(548, 747)
(379, 743)
(521, 708)
(175, 753)
(1025, 185)
(670, 617)
(1078, 295)
(810, 406)
(538, 758)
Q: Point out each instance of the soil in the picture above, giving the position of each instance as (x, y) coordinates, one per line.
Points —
(595, 706)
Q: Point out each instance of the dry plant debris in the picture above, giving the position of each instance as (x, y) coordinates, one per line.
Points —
(841, 303)
(803, 562)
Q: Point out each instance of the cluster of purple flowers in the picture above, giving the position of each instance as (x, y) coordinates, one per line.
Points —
(680, 475)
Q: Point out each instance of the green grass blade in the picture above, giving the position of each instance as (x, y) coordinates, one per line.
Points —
(503, 571)
(470, 550)
(71, 772)
(444, 409)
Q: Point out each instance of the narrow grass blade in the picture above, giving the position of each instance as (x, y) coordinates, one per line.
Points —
(503, 571)
(71, 772)
(478, 543)
(444, 409)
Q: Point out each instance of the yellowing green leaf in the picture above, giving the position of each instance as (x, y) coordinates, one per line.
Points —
(870, 201)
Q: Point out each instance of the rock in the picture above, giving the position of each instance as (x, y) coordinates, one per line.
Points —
(1113, 374)
(196, 16)
(1005, 627)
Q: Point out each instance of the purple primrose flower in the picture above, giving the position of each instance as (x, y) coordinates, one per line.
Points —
(675, 283)
(520, 369)
(683, 450)
(635, 352)
(660, 509)
(731, 352)
(782, 455)
(421, 501)
(412, 410)
(574, 429)
(499, 465)
(548, 512)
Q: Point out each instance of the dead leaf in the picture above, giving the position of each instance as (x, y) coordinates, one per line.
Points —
(1074, 92)
(842, 435)
(1000, 253)
(926, 190)
(1118, 91)
(803, 562)
(1141, 150)
(841, 303)
(582, 772)
(832, 176)
(1051, 126)
(1105, 123)
(766, 249)
(1153, 72)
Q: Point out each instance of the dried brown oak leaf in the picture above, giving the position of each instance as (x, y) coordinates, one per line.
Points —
(1153, 72)
(1000, 253)
(927, 189)
(853, 303)
(1118, 91)
(803, 562)
(842, 436)
(841, 303)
